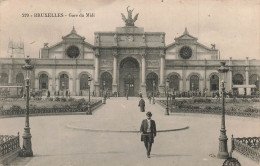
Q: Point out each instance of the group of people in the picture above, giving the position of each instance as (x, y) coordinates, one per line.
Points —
(147, 129)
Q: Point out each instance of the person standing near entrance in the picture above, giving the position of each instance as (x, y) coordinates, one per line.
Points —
(142, 104)
(148, 132)
(150, 98)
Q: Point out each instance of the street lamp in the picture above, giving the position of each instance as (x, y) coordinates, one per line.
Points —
(89, 107)
(192, 89)
(153, 90)
(104, 93)
(223, 150)
(27, 144)
(167, 95)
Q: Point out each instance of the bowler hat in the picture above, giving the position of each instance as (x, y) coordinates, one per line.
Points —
(149, 114)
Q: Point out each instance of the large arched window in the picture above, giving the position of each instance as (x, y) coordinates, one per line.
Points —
(194, 82)
(20, 79)
(151, 77)
(84, 82)
(43, 81)
(106, 81)
(174, 82)
(254, 80)
(238, 79)
(214, 83)
(3, 79)
(64, 82)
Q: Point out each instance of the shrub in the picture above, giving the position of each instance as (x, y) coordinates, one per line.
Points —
(57, 99)
(50, 99)
(71, 99)
(255, 100)
(63, 99)
(38, 98)
(15, 108)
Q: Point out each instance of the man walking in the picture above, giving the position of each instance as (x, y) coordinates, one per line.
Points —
(148, 132)
(142, 104)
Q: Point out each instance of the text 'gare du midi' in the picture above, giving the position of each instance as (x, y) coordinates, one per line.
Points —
(130, 60)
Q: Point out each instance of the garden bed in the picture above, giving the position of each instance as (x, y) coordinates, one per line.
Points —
(49, 106)
(233, 107)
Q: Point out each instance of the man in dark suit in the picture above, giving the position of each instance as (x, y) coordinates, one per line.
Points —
(142, 104)
(148, 131)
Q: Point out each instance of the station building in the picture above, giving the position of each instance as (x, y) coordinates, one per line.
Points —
(130, 61)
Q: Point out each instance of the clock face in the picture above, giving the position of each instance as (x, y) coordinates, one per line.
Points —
(73, 51)
(185, 52)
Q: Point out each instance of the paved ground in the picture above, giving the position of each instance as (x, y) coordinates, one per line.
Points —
(56, 143)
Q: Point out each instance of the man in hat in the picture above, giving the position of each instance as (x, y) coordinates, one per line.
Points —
(142, 104)
(148, 131)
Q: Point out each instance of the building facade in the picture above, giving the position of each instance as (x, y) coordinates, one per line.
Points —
(131, 61)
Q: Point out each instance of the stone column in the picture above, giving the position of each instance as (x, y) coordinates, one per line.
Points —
(162, 80)
(114, 86)
(53, 81)
(184, 87)
(230, 75)
(143, 82)
(96, 72)
(10, 76)
(78, 86)
(73, 91)
(248, 90)
(36, 83)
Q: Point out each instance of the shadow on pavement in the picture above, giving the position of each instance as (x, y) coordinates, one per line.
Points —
(170, 155)
(76, 154)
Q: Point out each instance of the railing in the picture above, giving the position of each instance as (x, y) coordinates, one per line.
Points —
(8, 144)
(249, 147)
(207, 110)
(53, 110)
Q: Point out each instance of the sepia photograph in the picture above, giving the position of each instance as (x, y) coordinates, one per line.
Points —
(129, 83)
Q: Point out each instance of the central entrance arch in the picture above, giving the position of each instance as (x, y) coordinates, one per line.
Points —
(129, 77)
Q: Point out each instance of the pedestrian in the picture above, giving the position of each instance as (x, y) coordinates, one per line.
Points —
(48, 93)
(150, 98)
(142, 104)
(148, 132)
(127, 95)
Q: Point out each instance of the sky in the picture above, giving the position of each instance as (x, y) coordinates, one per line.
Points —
(233, 25)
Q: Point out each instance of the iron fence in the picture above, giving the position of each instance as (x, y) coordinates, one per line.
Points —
(249, 147)
(8, 143)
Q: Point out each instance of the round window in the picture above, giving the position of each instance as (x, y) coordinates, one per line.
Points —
(73, 51)
(185, 52)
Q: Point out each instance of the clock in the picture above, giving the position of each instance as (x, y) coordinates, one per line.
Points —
(185, 52)
(73, 51)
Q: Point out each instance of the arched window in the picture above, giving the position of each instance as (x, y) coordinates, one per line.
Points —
(3, 79)
(194, 82)
(238, 79)
(214, 83)
(84, 82)
(174, 82)
(43, 81)
(150, 78)
(64, 82)
(20, 79)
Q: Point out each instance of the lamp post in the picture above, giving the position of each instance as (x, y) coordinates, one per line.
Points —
(223, 150)
(167, 95)
(27, 144)
(89, 107)
(153, 91)
(104, 93)
(192, 89)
